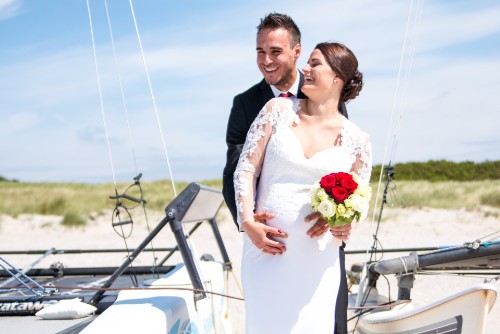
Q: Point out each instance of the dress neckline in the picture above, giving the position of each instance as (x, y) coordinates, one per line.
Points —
(302, 152)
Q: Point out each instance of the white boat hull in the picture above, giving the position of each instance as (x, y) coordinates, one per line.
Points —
(463, 313)
(168, 311)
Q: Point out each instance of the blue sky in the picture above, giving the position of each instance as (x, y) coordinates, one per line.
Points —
(199, 54)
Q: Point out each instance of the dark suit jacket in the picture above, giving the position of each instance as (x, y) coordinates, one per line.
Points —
(246, 106)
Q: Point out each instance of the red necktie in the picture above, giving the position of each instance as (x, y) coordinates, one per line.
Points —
(287, 94)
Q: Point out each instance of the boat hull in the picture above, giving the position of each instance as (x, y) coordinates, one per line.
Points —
(172, 310)
(463, 313)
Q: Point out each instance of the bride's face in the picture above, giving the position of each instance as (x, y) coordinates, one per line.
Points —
(318, 75)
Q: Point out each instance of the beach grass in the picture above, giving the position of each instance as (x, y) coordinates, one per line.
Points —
(467, 195)
(81, 199)
(77, 202)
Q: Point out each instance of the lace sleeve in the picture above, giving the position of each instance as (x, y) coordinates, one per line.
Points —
(363, 161)
(252, 157)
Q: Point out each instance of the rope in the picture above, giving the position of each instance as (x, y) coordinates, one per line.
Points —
(405, 266)
(386, 305)
(153, 99)
(58, 287)
(484, 275)
(489, 237)
(227, 288)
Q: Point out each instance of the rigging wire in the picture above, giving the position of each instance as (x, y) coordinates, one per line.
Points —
(409, 63)
(153, 99)
(120, 81)
(393, 111)
(398, 98)
(131, 138)
(143, 202)
(102, 106)
(100, 94)
(404, 70)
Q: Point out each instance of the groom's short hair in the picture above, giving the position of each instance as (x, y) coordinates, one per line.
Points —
(276, 20)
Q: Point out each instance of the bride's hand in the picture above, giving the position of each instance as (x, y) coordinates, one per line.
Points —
(341, 232)
(320, 226)
(260, 233)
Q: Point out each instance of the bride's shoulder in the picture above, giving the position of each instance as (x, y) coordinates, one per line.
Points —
(279, 108)
(279, 104)
(355, 130)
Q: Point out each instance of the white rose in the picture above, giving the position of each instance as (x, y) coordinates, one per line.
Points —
(348, 202)
(322, 195)
(349, 212)
(341, 210)
(364, 190)
(356, 202)
(327, 208)
(315, 201)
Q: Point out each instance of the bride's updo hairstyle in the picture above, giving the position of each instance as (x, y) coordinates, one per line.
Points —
(345, 65)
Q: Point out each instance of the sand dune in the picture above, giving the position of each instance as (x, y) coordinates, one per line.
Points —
(400, 228)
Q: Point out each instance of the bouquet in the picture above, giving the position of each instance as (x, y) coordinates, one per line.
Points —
(341, 198)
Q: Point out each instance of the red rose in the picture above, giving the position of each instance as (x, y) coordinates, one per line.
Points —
(339, 194)
(328, 182)
(349, 184)
(341, 175)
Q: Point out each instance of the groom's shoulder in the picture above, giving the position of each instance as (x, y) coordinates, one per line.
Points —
(255, 91)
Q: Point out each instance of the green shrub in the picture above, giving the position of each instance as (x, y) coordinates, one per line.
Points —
(72, 219)
(491, 199)
(442, 170)
(52, 206)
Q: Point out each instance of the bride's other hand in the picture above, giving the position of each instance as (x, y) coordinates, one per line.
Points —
(260, 234)
(341, 232)
(320, 226)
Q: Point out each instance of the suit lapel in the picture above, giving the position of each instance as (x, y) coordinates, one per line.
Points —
(267, 92)
(301, 95)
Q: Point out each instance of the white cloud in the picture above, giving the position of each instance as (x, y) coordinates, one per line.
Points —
(9, 8)
(15, 122)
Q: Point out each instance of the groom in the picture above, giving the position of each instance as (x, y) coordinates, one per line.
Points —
(278, 49)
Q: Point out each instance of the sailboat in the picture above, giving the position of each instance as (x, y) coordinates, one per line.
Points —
(187, 297)
(464, 311)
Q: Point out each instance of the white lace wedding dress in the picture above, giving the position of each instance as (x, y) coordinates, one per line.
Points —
(294, 292)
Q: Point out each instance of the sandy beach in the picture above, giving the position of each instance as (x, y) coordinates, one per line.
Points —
(400, 228)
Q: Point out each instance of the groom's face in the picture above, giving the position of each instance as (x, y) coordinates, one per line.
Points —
(276, 57)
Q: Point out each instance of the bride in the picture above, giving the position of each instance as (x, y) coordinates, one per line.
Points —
(289, 147)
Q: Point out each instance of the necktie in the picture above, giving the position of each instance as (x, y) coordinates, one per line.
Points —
(287, 94)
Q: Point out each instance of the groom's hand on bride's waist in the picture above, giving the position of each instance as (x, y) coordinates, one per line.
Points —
(262, 235)
(263, 217)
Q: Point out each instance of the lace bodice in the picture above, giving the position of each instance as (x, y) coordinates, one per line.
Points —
(273, 154)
